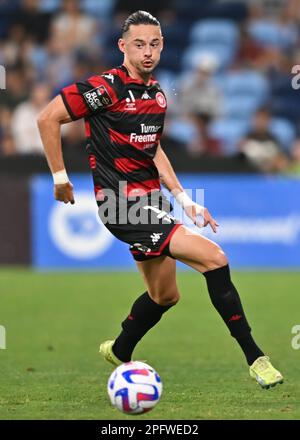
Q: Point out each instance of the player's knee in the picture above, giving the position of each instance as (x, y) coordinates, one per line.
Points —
(217, 260)
(172, 298)
(220, 258)
(169, 300)
(166, 297)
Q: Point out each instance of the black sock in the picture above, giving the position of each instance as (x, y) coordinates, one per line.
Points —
(144, 314)
(226, 300)
(250, 349)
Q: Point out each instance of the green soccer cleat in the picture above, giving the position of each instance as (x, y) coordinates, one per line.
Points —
(264, 373)
(107, 353)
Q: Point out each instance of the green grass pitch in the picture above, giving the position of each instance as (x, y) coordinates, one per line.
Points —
(54, 323)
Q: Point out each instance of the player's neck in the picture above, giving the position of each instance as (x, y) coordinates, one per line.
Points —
(136, 75)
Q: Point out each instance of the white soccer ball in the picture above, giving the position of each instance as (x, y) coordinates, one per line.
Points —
(134, 387)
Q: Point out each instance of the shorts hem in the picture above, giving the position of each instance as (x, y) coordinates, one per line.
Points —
(144, 256)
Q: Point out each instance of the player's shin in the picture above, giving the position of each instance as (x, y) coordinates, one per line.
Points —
(144, 314)
(226, 300)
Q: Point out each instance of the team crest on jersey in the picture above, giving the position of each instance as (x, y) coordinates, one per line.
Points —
(97, 98)
(161, 100)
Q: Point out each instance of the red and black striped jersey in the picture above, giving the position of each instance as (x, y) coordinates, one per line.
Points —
(124, 120)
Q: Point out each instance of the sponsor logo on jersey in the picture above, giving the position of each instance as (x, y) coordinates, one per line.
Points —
(134, 137)
(109, 76)
(97, 98)
(161, 100)
(130, 102)
(150, 128)
(145, 95)
(148, 135)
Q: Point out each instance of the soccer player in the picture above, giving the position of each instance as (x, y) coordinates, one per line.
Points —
(124, 110)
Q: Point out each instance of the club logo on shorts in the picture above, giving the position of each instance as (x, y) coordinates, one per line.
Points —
(155, 237)
(161, 100)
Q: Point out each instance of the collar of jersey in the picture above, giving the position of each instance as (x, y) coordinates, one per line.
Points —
(137, 81)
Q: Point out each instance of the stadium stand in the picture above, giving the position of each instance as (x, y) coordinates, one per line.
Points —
(254, 45)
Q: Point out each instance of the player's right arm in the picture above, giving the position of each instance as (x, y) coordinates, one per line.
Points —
(49, 123)
(79, 100)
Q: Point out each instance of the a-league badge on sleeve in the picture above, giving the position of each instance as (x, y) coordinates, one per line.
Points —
(97, 98)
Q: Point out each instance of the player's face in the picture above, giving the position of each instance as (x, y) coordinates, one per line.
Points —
(142, 45)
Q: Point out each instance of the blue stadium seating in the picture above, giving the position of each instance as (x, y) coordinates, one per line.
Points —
(240, 107)
(244, 92)
(269, 33)
(245, 83)
(284, 131)
(181, 130)
(215, 32)
(217, 37)
(192, 55)
(230, 132)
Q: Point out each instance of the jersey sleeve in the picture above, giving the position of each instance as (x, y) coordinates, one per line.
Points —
(84, 98)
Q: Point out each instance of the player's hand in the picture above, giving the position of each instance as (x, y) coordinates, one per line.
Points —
(201, 216)
(64, 193)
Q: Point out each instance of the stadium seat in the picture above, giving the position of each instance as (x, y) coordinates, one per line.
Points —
(49, 5)
(223, 32)
(102, 9)
(193, 54)
(230, 132)
(245, 83)
(217, 37)
(240, 107)
(268, 33)
(181, 130)
(284, 131)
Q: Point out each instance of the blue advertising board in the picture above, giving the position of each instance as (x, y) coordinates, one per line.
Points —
(259, 221)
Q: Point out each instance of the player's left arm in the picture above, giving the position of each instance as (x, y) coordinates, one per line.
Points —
(169, 179)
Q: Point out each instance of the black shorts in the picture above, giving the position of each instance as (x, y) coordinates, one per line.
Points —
(150, 237)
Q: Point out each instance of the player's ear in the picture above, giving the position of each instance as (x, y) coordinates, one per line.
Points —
(162, 43)
(121, 44)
